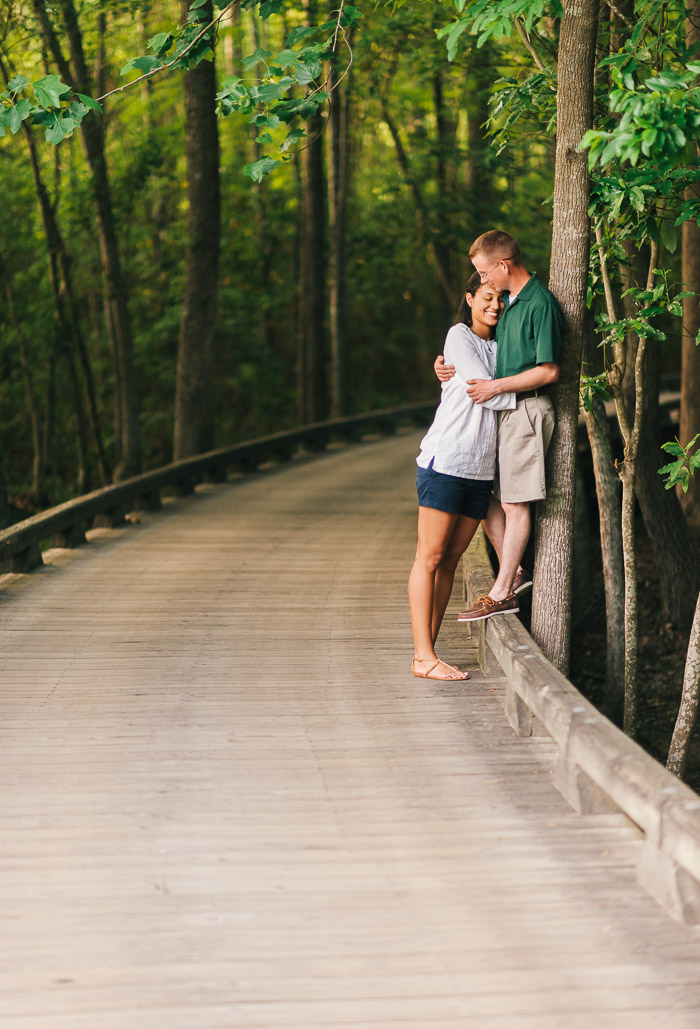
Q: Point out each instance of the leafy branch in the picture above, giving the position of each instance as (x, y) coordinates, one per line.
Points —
(678, 472)
(267, 102)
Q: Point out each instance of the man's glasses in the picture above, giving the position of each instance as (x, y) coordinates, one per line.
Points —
(501, 260)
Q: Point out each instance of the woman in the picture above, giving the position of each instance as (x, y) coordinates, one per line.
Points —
(456, 467)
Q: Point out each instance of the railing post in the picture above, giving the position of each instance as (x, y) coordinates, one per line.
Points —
(25, 561)
(73, 536)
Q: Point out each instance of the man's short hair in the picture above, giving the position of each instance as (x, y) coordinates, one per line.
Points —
(495, 244)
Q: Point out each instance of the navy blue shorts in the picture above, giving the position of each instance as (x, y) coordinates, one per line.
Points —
(451, 493)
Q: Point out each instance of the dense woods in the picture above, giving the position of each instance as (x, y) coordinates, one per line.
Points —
(162, 295)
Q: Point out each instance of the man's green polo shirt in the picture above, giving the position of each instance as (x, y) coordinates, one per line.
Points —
(529, 331)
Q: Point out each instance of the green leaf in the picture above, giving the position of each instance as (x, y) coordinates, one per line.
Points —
(669, 236)
(61, 128)
(92, 105)
(293, 136)
(160, 43)
(306, 74)
(142, 64)
(453, 35)
(49, 90)
(260, 168)
(197, 4)
(286, 58)
(17, 84)
(256, 58)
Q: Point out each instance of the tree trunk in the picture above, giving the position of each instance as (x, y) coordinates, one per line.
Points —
(117, 316)
(607, 484)
(551, 609)
(690, 352)
(337, 189)
(480, 70)
(312, 275)
(444, 149)
(442, 273)
(39, 464)
(675, 551)
(688, 711)
(193, 398)
(5, 513)
(690, 362)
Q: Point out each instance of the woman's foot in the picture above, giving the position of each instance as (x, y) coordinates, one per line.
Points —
(432, 668)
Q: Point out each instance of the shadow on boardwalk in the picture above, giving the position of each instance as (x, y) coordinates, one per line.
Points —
(226, 802)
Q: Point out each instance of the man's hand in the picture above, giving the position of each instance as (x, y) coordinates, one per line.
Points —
(482, 389)
(443, 371)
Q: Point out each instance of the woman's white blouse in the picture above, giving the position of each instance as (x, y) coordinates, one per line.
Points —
(462, 439)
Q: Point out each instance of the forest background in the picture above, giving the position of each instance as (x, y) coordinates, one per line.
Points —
(162, 294)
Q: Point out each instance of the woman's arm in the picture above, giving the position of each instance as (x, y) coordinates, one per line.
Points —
(462, 351)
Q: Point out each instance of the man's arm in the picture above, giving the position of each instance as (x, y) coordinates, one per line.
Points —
(443, 371)
(543, 374)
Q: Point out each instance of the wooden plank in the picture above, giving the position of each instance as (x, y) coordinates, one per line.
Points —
(227, 803)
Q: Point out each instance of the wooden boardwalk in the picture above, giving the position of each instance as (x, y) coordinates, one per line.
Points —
(226, 803)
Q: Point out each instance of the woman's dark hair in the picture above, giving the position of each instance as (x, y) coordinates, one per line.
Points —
(464, 314)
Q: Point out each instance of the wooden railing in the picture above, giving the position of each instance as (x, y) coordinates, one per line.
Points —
(65, 525)
(599, 769)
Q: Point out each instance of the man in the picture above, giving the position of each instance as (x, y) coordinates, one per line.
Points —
(529, 354)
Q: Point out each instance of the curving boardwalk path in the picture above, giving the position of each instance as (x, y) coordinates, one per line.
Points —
(225, 802)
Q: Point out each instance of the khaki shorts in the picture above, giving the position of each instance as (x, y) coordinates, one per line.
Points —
(524, 435)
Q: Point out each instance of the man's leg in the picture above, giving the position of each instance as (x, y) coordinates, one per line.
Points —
(495, 525)
(515, 537)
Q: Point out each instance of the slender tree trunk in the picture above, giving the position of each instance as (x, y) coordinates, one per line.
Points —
(38, 459)
(551, 611)
(338, 188)
(117, 316)
(675, 551)
(688, 711)
(690, 353)
(259, 191)
(445, 148)
(193, 399)
(690, 361)
(312, 301)
(5, 512)
(480, 70)
(442, 273)
(607, 485)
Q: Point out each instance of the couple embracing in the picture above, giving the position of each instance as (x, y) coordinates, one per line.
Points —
(483, 456)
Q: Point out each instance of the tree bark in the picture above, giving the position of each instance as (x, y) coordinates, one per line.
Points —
(338, 189)
(675, 550)
(442, 272)
(607, 485)
(312, 273)
(5, 512)
(690, 352)
(194, 431)
(39, 462)
(688, 711)
(551, 610)
(76, 75)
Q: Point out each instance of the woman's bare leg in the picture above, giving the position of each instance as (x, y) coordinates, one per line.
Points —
(434, 531)
(461, 537)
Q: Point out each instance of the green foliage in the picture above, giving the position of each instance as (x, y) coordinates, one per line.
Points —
(55, 107)
(494, 19)
(655, 116)
(592, 386)
(678, 472)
